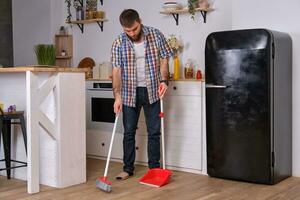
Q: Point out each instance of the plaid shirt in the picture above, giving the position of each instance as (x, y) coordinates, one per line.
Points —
(123, 56)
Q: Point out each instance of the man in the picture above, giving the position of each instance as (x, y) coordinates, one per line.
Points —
(139, 58)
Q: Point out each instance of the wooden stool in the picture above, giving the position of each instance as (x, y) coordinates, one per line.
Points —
(5, 128)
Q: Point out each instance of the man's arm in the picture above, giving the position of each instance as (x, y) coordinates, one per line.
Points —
(164, 68)
(164, 71)
(116, 81)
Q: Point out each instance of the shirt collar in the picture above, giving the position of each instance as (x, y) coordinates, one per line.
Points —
(144, 29)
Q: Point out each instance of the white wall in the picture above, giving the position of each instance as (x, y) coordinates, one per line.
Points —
(97, 44)
(58, 14)
(31, 26)
(281, 16)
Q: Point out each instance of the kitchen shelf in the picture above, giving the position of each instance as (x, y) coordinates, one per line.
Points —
(63, 43)
(63, 57)
(175, 13)
(81, 23)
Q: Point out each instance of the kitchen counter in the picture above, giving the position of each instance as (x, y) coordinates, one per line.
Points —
(188, 80)
(36, 68)
(53, 99)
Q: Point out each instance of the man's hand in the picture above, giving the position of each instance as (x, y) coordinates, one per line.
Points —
(118, 105)
(162, 90)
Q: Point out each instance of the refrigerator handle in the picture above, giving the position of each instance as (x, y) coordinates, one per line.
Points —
(216, 86)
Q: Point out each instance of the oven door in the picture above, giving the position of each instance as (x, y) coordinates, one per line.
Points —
(100, 114)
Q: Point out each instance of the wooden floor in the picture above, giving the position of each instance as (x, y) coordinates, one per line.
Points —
(183, 186)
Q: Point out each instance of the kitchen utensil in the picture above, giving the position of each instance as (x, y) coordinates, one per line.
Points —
(102, 182)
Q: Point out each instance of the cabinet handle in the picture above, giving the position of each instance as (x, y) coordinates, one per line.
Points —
(174, 88)
(103, 144)
(136, 148)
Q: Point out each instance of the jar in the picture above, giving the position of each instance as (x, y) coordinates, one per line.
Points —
(199, 75)
(98, 14)
(89, 15)
(188, 71)
(63, 53)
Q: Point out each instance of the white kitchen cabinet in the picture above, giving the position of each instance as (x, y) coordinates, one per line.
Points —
(183, 125)
(183, 108)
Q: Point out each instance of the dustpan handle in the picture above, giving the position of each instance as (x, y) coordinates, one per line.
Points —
(110, 145)
(162, 132)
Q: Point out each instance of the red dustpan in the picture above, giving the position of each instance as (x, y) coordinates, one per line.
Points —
(158, 177)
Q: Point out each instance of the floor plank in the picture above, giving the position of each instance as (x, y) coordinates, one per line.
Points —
(183, 186)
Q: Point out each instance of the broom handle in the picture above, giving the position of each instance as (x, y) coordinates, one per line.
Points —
(110, 145)
(162, 132)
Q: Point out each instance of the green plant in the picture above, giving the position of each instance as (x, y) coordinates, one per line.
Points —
(69, 16)
(45, 54)
(192, 5)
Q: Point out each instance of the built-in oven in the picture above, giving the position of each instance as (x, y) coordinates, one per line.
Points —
(99, 105)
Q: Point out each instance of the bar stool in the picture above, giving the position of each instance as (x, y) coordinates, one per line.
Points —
(5, 128)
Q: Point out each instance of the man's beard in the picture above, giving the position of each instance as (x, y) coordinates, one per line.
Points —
(137, 38)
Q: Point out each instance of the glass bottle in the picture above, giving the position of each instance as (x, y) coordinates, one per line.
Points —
(176, 67)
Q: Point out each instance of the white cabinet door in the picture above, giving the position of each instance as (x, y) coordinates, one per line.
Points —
(98, 144)
(183, 125)
(183, 115)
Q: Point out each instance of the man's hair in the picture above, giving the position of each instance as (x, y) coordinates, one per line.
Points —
(128, 17)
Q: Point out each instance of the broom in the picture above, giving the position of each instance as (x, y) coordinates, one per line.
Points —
(102, 183)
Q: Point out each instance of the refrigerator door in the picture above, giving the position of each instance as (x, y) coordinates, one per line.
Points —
(238, 65)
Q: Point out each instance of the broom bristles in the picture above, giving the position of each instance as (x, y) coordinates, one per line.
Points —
(104, 185)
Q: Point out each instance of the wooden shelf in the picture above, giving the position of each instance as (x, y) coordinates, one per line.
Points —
(88, 21)
(63, 57)
(65, 35)
(80, 23)
(63, 43)
(176, 12)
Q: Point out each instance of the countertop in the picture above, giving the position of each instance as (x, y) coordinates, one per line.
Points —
(192, 79)
(37, 68)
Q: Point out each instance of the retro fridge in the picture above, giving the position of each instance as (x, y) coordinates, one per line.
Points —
(248, 75)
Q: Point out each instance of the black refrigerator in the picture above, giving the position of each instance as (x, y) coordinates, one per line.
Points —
(248, 75)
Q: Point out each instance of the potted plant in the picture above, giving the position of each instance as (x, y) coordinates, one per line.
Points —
(69, 16)
(45, 54)
(193, 4)
(91, 5)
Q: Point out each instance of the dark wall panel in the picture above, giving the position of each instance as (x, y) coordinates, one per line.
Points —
(6, 37)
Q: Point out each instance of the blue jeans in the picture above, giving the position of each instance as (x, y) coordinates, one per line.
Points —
(130, 120)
